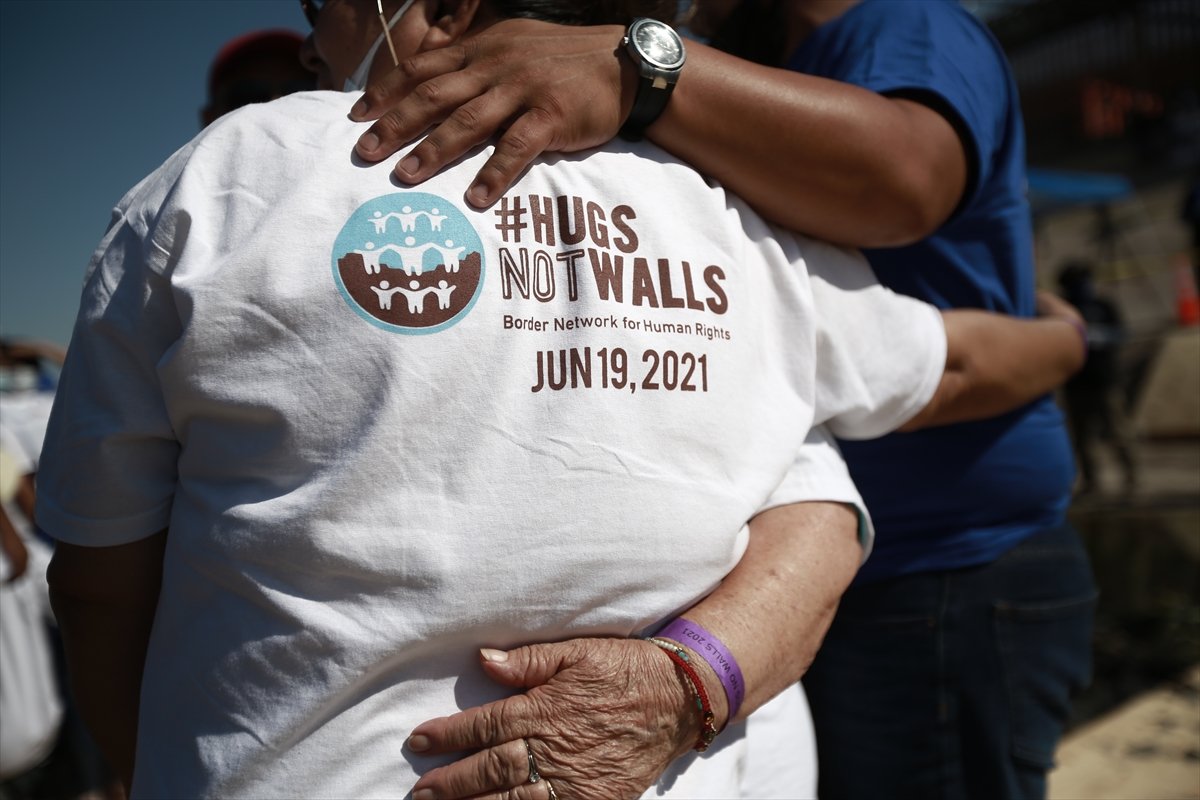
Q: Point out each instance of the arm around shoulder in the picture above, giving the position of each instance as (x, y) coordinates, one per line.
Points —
(826, 158)
(995, 364)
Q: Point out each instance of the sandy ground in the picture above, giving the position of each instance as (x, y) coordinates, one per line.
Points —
(1147, 749)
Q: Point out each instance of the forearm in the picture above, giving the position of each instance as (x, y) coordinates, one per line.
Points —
(995, 364)
(105, 630)
(773, 609)
(818, 156)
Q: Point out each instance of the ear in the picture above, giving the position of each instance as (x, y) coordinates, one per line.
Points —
(451, 19)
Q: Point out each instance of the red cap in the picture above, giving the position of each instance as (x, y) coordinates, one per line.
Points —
(278, 40)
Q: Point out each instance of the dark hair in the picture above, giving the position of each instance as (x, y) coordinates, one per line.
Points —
(755, 30)
(585, 12)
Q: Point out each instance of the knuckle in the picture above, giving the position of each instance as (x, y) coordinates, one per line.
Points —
(431, 148)
(389, 127)
(409, 68)
(487, 728)
(517, 146)
(465, 119)
(428, 92)
(495, 768)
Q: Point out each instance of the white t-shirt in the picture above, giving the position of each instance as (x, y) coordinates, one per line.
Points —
(30, 706)
(386, 429)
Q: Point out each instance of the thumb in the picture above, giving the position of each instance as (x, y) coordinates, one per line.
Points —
(529, 666)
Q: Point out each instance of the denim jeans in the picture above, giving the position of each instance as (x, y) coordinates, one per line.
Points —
(955, 685)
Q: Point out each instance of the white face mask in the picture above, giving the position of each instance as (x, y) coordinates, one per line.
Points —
(358, 81)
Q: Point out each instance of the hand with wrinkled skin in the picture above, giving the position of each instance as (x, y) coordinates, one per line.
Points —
(603, 717)
(553, 88)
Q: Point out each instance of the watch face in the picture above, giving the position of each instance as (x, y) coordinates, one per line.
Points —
(658, 43)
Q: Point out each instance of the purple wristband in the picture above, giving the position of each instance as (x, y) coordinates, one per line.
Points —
(716, 654)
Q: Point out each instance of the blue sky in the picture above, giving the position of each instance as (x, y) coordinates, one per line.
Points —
(93, 96)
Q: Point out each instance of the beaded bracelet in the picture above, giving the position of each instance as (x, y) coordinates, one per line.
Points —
(708, 727)
(712, 650)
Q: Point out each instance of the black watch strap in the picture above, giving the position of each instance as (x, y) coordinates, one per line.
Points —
(648, 105)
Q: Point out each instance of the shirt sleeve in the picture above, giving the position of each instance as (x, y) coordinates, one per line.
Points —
(819, 474)
(880, 355)
(108, 471)
(934, 50)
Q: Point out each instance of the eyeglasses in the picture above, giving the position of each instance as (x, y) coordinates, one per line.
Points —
(311, 9)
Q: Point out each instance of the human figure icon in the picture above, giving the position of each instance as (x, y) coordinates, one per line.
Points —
(443, 292)
(370, 257)
(408, 219)
(412, 257)
(415, 296)
(436, 218)
(380, 221)
(385, 294)
(450, 255)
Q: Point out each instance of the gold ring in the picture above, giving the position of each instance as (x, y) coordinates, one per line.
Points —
(550, 788)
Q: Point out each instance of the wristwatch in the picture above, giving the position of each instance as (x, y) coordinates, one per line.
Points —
(657, 52)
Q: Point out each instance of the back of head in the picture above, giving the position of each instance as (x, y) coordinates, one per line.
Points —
(254, 68)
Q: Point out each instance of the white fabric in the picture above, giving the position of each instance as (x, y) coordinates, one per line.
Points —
(353, 510)
(30, 706)
(23, 417)
(781, 750)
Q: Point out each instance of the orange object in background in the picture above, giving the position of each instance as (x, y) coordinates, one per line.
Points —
(1187, 301)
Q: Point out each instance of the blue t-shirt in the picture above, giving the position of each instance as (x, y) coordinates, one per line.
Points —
(963, 494)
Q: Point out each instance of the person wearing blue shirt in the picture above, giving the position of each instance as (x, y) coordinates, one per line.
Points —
(953, 656)
(894, 127)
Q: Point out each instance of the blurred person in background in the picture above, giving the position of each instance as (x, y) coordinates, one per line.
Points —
(1092, 396)
(31, 708)
(894, 127)
(255, 68)
(45, 752)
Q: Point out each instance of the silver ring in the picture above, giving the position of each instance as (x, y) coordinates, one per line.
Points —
(534, 775)
(550, 788)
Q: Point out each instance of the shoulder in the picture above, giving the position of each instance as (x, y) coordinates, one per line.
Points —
(927, 19)
(884, 45)
(255, 147)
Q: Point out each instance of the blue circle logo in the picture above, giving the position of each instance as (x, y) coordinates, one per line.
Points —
(409, 262)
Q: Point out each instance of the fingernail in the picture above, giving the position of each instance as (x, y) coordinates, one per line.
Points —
(418, 743)
(424, 794)
(478, 195)
(410, 164)
(360, 108)
(495, 656)
(368, 141)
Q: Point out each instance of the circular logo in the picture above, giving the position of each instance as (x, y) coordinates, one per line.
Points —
(409, 262)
